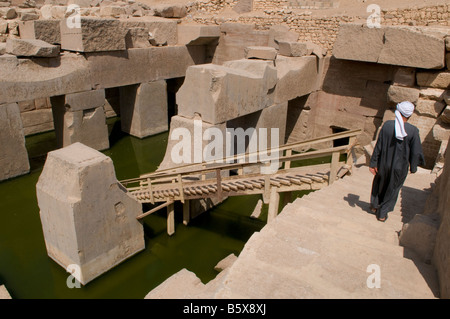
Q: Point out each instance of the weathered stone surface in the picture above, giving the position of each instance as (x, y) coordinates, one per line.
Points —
(404, 46)
(170, 10)
(13, 153)
(37, 121)
(4, 294)
(441, 256)
(25, 79)
(445, 116)
(405, 77)
(432, 94)
(281, 33)
(225, 263)
(221, 93)
(296, 76)
(92, 35)
(137, 38)
(355, 41)
(174, 156)
(2, 48)
(235, 38)
(171, 286)
(112, 11)
(8, 13)
(45, 30)
(420, 235)
(143, 109)
(31, 48)
(429, 107)
(197, 34)
(294, 49)
(412, 47)
(126, 67)
(80, 117)
(263, 53)
(397, 94)
(439, 80)
(162, 31)
(88, 220)
(441, 131)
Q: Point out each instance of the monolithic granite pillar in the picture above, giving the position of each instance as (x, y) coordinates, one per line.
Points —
(80, 117)
(13, 153)
(143, 108)
(87, 218)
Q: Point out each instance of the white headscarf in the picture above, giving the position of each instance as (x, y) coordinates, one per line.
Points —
(406, 109)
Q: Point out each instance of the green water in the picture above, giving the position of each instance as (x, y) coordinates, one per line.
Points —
(28, 273)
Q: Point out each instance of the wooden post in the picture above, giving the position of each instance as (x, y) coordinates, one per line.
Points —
(334, 167)
(274, 202)
(150, 189)
(180, 187)
(186, 212)
(287, 164)
(266, 193)
(203, 174)
(171, 219)
(219, 185)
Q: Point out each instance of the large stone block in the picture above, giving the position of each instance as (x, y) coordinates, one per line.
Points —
(400, 45)
(37, 121)
(162, 31)
(196, 34)
(193, 129)
(80, 117)
(439, 80)
(122, 68)
(263, 53)
(412, 47)
(281, 33)
(357, 42)
(235, 38)
(31, 48)
(92, 35)
(397, 94)
(25, 79)
(143, 109)
(45, 30)
(221, 93)
(429, 107)
(88, 219)
(13, 153)
(296, 76)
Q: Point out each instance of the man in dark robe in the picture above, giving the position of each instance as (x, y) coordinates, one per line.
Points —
(398, 149)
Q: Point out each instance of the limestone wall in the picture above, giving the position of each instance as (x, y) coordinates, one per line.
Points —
(323, 30)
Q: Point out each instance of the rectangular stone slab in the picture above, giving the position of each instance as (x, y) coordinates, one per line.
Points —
(92, 35)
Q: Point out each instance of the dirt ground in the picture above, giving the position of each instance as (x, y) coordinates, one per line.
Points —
(346, 7)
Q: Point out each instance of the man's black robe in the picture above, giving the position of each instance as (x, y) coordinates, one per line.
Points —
(393, 158)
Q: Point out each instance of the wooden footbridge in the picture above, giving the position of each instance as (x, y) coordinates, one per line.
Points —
(215, 181)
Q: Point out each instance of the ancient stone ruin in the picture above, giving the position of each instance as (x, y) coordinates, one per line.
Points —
(68, 65)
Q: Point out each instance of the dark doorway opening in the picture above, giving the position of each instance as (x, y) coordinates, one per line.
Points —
(340, 141)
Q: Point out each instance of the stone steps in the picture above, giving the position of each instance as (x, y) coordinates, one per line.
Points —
(324, 245)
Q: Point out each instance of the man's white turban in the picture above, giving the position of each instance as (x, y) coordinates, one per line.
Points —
(406, 109)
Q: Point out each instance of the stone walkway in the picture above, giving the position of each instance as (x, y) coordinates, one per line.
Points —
(325, 245)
